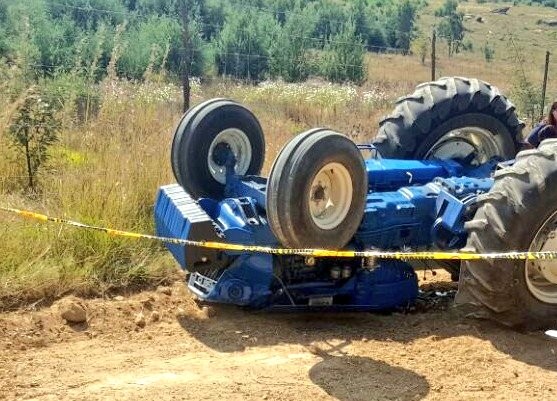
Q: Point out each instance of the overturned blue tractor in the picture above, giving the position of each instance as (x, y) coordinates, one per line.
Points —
(442, 173)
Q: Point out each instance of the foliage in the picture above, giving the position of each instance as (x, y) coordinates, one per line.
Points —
(250, 39)
(33, 130)
(289, 56)
(488, 52)
(85, 12)
(343, 58)
(420, 47)
(145, 44)
(545, 3)
(243, 45)
(402, 27)
(527, 97)
(331, 17)
(451, 27)
(524, 92)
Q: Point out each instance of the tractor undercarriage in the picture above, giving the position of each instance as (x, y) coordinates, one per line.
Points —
(444, 174)
(410, 217)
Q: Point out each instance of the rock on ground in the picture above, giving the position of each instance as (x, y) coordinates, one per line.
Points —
(72, 309)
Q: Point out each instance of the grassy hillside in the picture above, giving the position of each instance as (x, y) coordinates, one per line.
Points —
(521, 22)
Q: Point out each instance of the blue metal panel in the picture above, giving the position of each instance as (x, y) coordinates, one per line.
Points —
(177, 215)
(399, 218)
(247, 187)
(391, 174)
(405, 218)
(391, 284)
(172, 218)
(240, 221)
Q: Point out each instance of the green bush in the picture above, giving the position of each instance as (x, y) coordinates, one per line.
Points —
(331, 17)
(145, 44)
(343, 58)
(289, 51)
(488, 52)
(451, 27)
(242, 48)
(33, 129)
(400, 27)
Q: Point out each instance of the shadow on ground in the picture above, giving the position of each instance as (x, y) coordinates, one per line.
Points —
(354, 378)
(349, 377)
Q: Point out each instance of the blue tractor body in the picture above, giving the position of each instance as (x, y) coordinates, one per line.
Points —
(446, 172)
(410, 204)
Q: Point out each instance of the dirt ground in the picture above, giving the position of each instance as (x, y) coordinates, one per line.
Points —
(161, 345)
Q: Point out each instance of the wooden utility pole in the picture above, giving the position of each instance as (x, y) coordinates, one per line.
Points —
(433, 40)
(185, 61)
(546, 70)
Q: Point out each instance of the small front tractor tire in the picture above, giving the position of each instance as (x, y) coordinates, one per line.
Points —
(316, 193)
(518, 214)
(203, 139)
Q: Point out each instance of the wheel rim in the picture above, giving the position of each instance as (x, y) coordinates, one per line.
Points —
(473, 144)
(541, 275)
(234, 140)
(330, 196)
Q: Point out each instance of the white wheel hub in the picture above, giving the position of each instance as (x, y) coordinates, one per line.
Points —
(330, 196)
(235, 141)
(541, 275)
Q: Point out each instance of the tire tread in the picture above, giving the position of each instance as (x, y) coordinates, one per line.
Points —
(492, 285)
(401, 132)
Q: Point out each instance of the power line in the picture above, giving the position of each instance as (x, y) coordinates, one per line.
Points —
(89, 8)
(239, 4)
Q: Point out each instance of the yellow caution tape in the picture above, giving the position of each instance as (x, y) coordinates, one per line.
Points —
(318, 253)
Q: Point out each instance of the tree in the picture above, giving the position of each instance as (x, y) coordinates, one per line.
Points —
(401, 25)
(289, 52)
(449, 7)
(331, 18)
(33, 129)
(451, 27)
(213, 17)
(242, 48)
(488, 51)
(283, 8)
(360, 16)
(189, 44)
(85, 12)
(343, 58)
(145, 43)
(420, 47)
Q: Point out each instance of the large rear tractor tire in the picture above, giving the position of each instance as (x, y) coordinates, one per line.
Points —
(316, 191)
(451, 118)
(203, 139)
(518, 214)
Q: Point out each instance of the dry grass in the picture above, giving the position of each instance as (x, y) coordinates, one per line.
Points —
(531, 41)
(106, 171)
